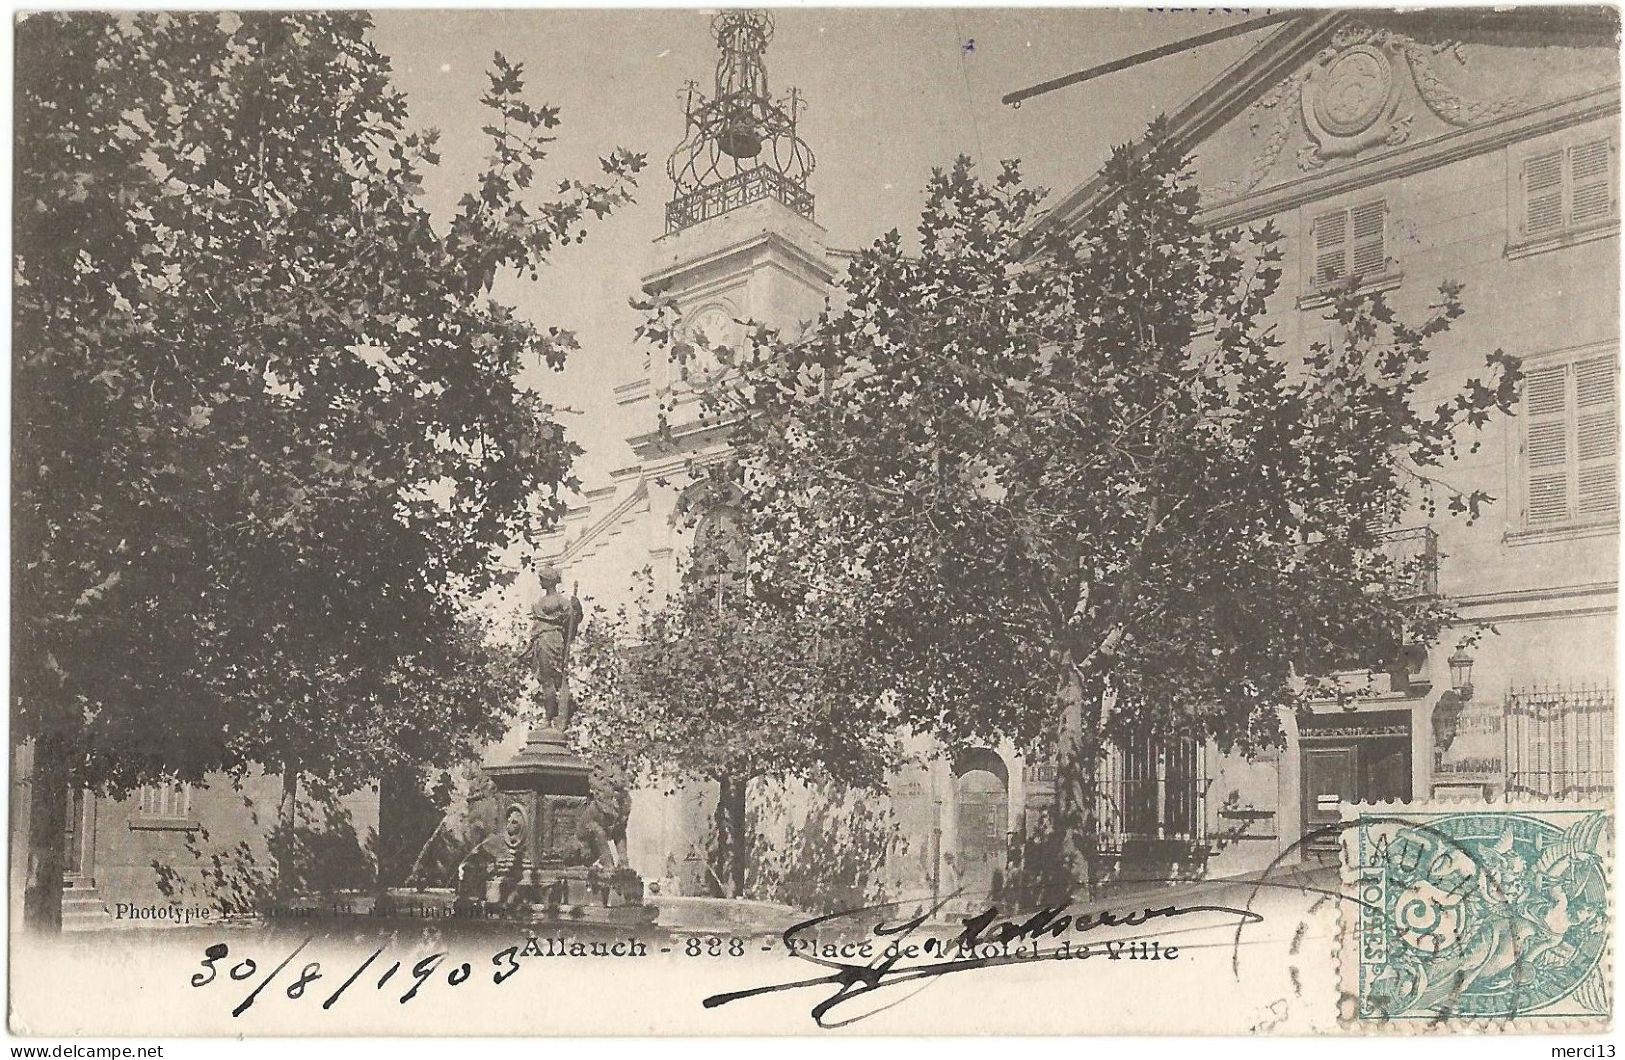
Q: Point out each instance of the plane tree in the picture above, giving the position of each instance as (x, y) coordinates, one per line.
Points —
(722, 682)
(268, 439)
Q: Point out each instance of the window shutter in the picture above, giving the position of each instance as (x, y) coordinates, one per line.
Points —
(1543, 193)
(1331, 237)
(1368, 255)
(1596, 437)
(1591, 181)
(1546, 445)
(1544, 392)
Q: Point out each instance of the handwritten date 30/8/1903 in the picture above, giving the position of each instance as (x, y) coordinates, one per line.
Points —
(217, 965)
(221, 964)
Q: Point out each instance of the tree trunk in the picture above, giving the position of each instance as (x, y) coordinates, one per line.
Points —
(47, 835)
(1077, 784)
(733, 849)
(284, 848)
(408, 822)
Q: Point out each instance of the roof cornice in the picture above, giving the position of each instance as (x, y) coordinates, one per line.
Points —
(1274, 58)
(1413, 158)
(1294, 44)
(740, 249)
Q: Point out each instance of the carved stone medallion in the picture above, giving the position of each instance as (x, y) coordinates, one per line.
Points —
(1355, 91)
(513, 826)
(1350, 100)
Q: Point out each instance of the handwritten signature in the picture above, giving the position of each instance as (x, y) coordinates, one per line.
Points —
(987, 941)
(905, 955)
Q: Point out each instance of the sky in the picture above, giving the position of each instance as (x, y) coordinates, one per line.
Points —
(890, 94)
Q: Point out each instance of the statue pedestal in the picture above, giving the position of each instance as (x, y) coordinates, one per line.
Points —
(546, 870)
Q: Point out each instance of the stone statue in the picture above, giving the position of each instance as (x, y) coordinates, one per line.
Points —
(555, 620)
(601, 828)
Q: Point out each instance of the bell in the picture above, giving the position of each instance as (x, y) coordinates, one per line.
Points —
(740, 140)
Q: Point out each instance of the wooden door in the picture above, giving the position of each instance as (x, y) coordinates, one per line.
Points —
(1328, 781)
(983, 820)
(76, 842)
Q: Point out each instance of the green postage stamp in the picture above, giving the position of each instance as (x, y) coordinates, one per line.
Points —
(1476, 914)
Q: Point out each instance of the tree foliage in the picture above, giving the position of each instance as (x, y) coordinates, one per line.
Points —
(722, 682)
(268, 437)
(1084, 489)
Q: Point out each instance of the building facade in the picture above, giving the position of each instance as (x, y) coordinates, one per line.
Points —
(1407, 151)
(184, 845)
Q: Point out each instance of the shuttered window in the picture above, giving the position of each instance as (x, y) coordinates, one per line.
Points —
(1571, 442)
(1350, 242)
(1591, 177)
(1568, 187)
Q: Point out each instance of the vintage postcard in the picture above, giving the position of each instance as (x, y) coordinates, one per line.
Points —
(798, 521)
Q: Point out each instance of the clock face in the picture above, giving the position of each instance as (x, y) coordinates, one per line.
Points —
(707, 329)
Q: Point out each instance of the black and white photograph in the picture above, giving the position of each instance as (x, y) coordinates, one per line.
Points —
(814, 521)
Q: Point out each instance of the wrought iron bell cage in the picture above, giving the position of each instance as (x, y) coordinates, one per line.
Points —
(740, 144)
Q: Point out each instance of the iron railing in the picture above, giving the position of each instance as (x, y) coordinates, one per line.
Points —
(1147, 790)
(730, 193)
(1150, 790)
(1560, 741)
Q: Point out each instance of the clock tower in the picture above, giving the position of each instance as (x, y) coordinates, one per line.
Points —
(741, 243)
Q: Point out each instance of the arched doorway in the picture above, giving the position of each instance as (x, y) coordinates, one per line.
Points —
(982, 795)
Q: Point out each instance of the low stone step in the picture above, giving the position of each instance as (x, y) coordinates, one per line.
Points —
(83, 910)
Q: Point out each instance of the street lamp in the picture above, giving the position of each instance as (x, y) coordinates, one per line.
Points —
(1461, 673)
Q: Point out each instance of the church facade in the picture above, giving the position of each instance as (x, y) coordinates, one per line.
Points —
(760, 261)
(742, 245)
